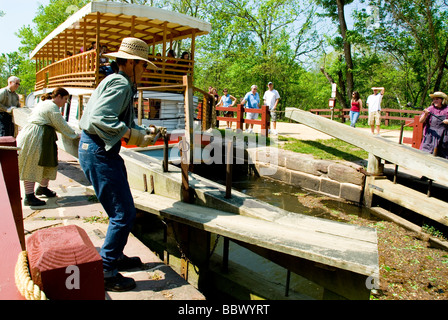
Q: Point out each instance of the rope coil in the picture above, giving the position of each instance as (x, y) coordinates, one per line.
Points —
(24, 284)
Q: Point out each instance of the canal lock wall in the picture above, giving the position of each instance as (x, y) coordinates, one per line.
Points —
(341, 179)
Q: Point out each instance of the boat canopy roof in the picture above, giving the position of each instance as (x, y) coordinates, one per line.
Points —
(117, 21)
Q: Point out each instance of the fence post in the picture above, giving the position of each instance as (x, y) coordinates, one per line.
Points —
(264, 120)
(204, 114)
(240, 117)
(199, 114)
(140, 108)
(341, 114)
(229, 159)
(417, 133)
(10, 170)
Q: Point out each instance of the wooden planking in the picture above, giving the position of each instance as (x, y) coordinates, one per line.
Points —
(323, 246)
(432, 208)
(399, 154)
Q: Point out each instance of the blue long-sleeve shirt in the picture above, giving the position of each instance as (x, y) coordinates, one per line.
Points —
(109, 112)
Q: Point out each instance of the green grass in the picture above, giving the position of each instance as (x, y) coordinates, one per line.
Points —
(325, 149)
(331, 149)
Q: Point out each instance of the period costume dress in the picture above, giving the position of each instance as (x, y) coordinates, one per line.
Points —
(37, 140)
(435, 133)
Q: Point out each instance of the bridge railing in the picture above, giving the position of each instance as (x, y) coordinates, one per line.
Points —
(240, 120)
(387, 114)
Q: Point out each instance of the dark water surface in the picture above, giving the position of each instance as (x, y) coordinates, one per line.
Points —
(295, 199)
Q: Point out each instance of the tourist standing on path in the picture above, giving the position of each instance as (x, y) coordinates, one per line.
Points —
(271, 98)
(38, 157)
(9, 99)
(355, 109)
(227, 100)
(435, 128)
(108, 117)
(252, 101)
(374, 106)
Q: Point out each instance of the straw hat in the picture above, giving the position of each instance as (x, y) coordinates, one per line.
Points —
(438, 94)
(132, 48)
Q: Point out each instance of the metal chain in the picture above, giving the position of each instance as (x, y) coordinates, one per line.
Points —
(214, 246)
(182, 253)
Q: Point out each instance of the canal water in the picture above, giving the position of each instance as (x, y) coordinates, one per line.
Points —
(295, 199)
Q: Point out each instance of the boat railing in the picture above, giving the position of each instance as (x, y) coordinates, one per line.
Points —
(76, 71)
(80, 71)
(170, 71)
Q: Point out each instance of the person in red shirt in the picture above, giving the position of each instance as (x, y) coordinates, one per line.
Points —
(355, 109)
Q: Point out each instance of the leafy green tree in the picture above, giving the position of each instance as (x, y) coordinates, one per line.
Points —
(345, 78)
(414, 34)
(254, 43)
(47, 19)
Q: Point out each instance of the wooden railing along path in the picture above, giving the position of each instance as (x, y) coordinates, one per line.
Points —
(386, 114)
(240, 121)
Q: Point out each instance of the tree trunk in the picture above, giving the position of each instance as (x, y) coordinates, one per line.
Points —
(339, 96)
(347, 50)
(441, 67)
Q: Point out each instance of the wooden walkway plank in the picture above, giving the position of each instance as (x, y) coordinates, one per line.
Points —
(327, 248)
(250, 207)
(429, 207)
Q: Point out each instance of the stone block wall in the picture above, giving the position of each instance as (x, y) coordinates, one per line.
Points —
(340, 179)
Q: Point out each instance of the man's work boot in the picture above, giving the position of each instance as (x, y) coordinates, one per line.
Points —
(126, 263)
(119, 283)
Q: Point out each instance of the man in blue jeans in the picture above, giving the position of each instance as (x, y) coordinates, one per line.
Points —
(108, 117)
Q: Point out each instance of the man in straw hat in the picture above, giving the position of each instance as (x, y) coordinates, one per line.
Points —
(374, 105)
(107, 118)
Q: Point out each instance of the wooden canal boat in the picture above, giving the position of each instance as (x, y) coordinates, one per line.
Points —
(70, 57)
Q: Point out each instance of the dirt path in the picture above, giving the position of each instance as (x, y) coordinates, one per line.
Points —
(303, 132)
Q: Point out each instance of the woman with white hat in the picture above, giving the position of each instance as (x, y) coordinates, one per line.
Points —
(107, 118)
(435, 130)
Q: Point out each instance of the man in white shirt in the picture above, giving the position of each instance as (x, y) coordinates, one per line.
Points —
(271, 98)
(374, 105)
